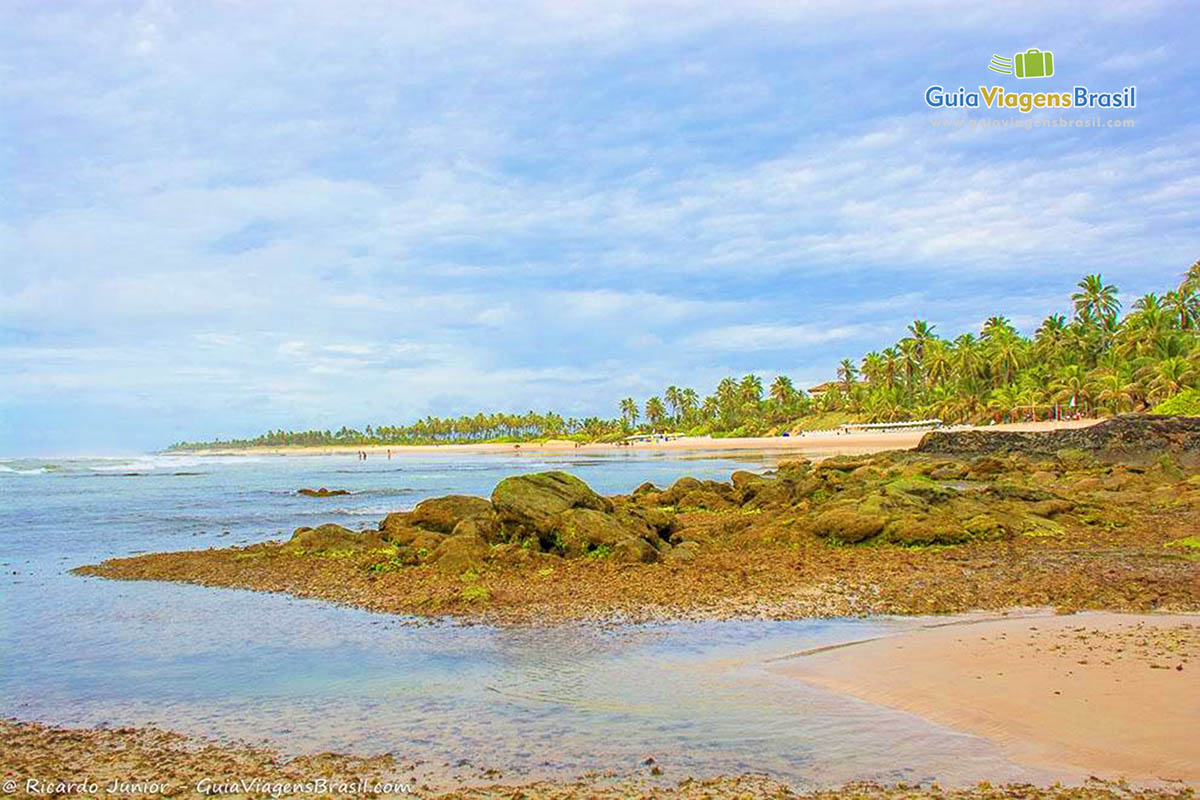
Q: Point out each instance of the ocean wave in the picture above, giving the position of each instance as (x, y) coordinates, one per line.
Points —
(46, 470)
(374, 511)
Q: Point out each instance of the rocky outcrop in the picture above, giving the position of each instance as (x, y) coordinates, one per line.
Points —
(334, 537)
(1129, 439)
(322, 492)
(442, 514)
(548, 513)
(532, 503)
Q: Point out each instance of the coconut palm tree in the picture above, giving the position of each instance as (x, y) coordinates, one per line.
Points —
(890, 366)
(782, 391)
(655, 412)
(1183, 304)
(872, 367)
(1170, 377)
(751, 389)
(674, 399)
(846, 373)
(1073, 387)
(629, 411)
(1096, 301)
(921, 332)
(688, 400)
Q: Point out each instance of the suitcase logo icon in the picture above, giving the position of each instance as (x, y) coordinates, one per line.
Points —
(1033, 63)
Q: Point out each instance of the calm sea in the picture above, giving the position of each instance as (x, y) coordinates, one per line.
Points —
(307, 676)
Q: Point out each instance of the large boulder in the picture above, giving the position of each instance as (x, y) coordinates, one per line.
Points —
(703, 499)
(457, 554)
(334, 537)
(849, 524)
(651, 524)
(532, 503)
(580, 531)
(634, 550)
(925, 529)
(678, 489)
(485, 526)
(441, 514)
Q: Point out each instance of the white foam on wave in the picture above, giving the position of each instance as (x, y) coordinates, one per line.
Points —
(164, 462)
(32, 471)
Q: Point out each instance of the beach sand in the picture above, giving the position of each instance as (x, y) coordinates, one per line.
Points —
(1096, 694)
(820, 443)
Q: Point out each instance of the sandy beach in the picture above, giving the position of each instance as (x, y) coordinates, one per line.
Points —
(816, 442)
(1096, 694)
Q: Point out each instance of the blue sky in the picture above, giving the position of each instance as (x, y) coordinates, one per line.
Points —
(218, 218)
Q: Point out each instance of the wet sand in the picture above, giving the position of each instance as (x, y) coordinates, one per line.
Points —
(815, 442)
(39, 761)
(1096, 694)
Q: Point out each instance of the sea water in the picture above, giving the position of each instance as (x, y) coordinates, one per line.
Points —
(308, 676)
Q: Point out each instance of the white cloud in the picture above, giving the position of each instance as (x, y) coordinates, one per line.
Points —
(753, 337)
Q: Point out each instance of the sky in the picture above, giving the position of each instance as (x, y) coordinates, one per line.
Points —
(218, 218)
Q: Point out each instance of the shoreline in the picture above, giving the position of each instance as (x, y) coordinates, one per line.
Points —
(1090, 741)
(832, 442)
(127, 761)
(1092, 694)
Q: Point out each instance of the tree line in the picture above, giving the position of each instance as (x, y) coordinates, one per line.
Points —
(1093, 360)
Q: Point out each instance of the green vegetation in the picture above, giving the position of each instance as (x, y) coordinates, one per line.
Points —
(1184, 404)
(1096, 362)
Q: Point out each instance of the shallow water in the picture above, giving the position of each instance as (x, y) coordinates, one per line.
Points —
(308, 676)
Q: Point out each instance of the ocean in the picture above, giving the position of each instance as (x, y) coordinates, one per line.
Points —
(307, 676)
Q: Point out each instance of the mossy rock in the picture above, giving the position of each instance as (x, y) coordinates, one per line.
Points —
(401, 534)
(534, 502)
(678, 489)
(703, 499)
(334, 537)
(1014, 491)
(918, 489)
(579, 531)
(1043, 478)
(849, 524)
(793, 467)
(949, 472)
(742, 479)
(984, 467)
(322, 492)
(485, 526)
(441, 514)
(1035, 526)
(633, 550)
(782, 492)
(645, 488)
(842, 464)
(683, 552)
(987, 526)
(917, 530)
(1051, 508)
(457, 554)
(650, 523)
(1074, 459)
(1168, 468)
(866, 473)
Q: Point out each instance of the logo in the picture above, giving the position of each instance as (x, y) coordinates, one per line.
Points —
(1033, 63)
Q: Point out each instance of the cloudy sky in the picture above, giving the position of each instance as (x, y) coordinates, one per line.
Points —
(218, 218)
